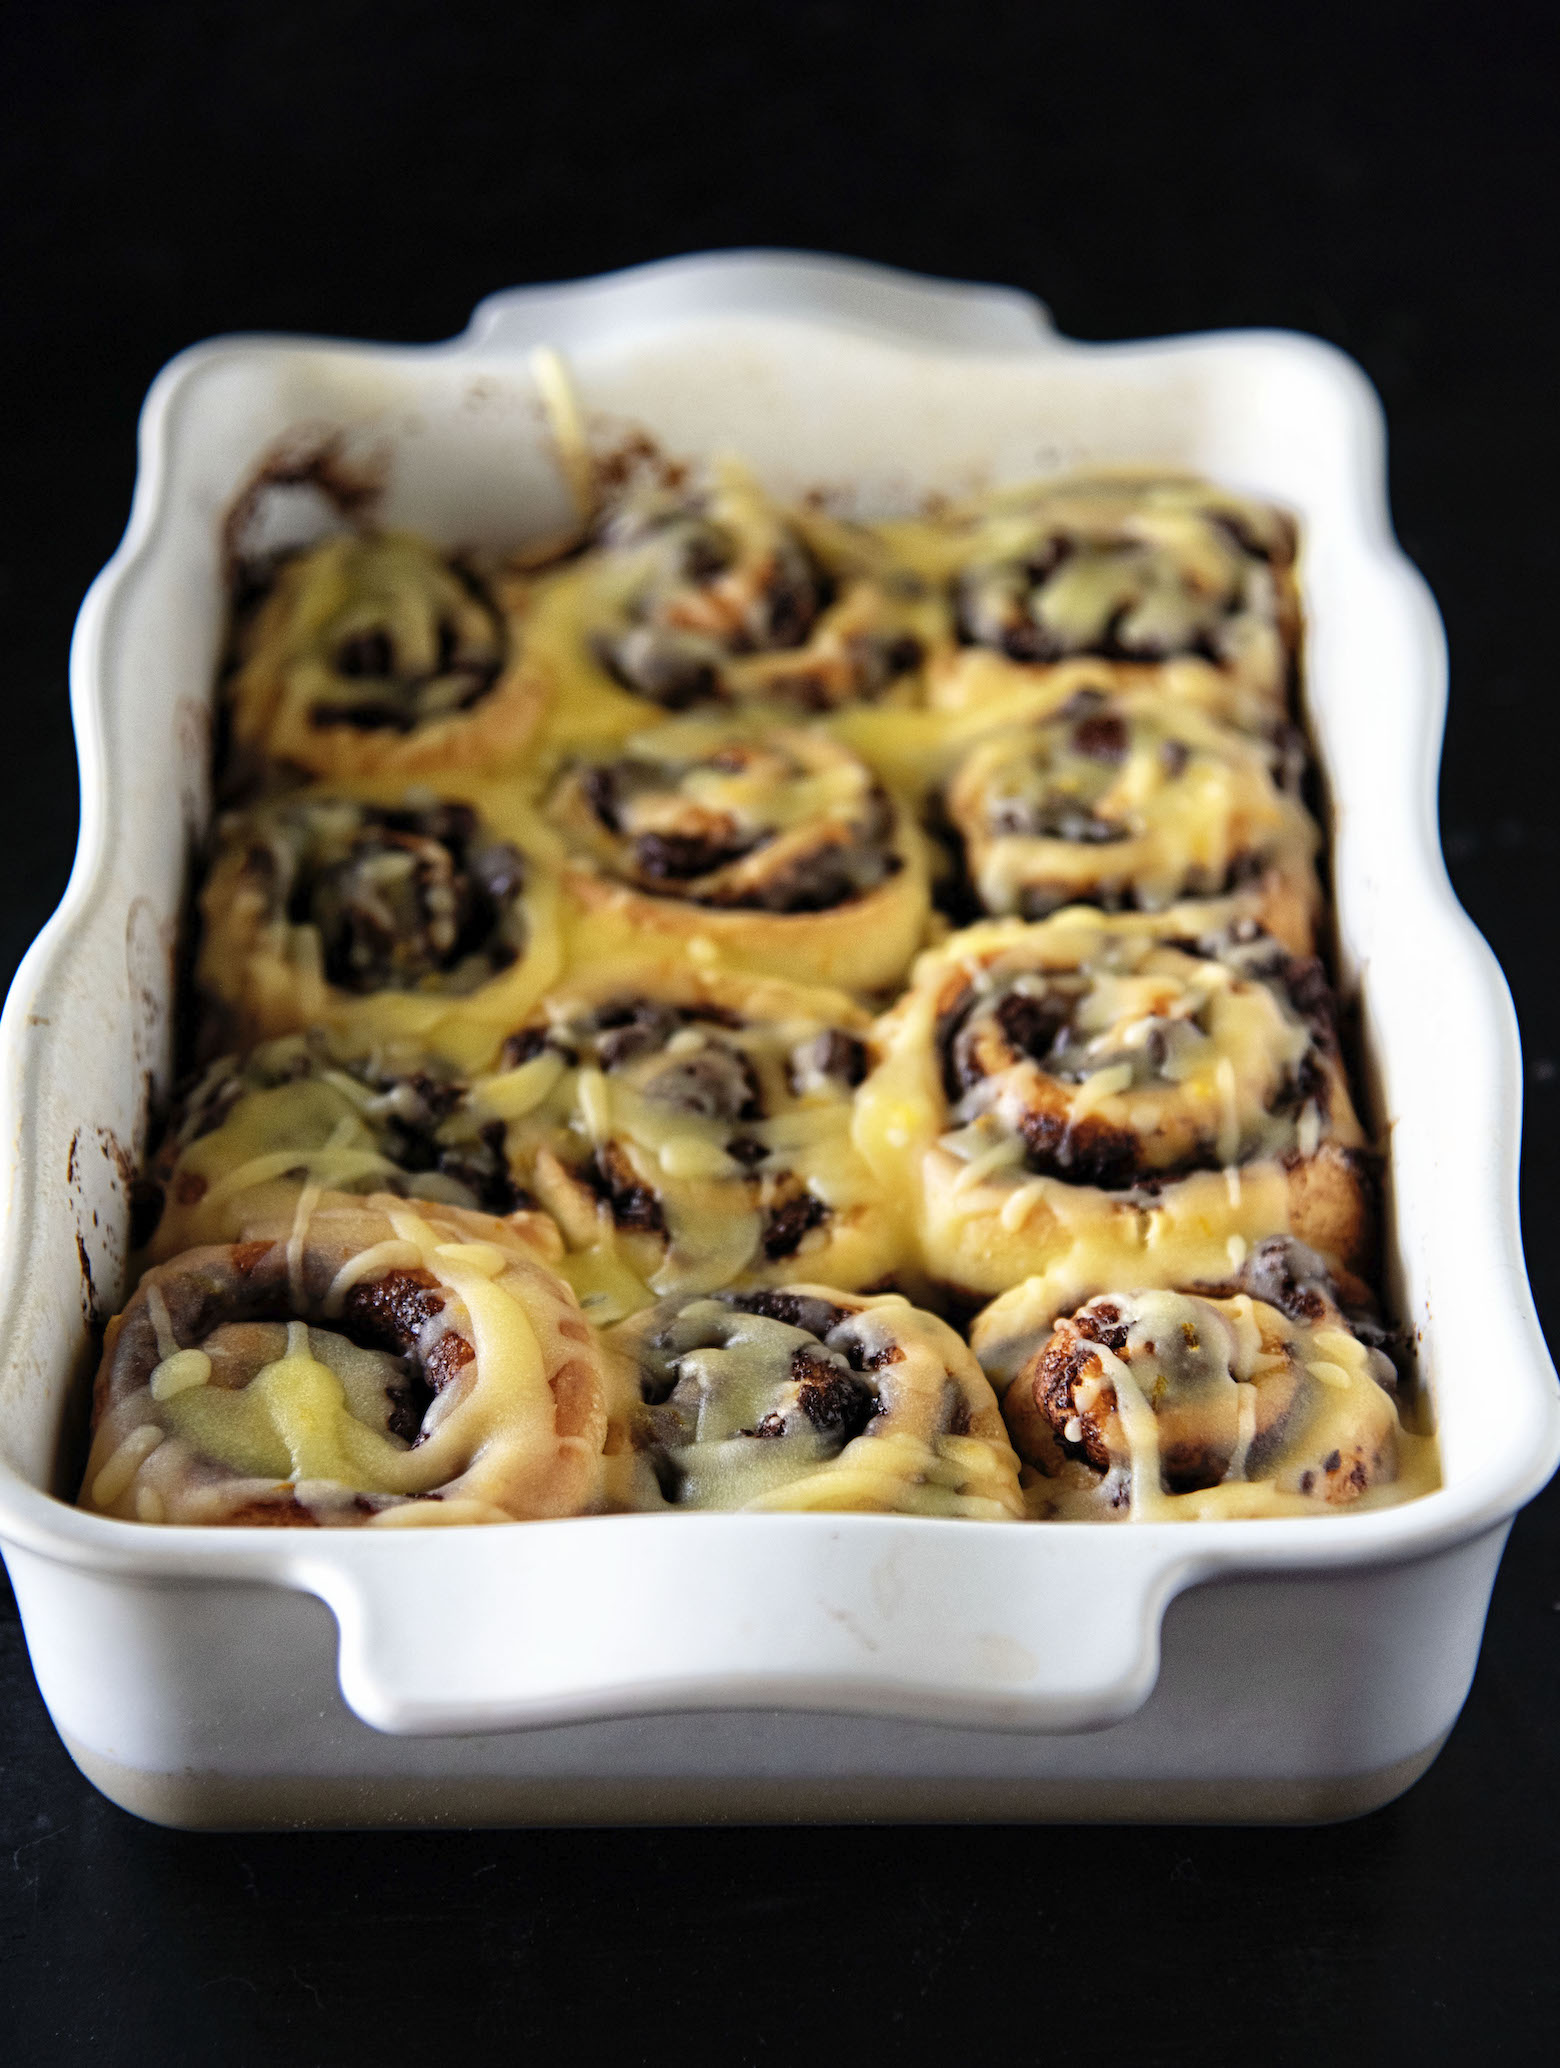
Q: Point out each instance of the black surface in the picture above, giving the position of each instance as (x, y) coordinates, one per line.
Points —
(1384, 176)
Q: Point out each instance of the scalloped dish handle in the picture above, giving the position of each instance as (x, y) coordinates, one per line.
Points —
(858, 1625)
(947, 315)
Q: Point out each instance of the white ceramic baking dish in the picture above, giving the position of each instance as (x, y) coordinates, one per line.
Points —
(764, 1666)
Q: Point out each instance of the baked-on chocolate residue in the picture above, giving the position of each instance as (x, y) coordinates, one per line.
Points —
(307, 458)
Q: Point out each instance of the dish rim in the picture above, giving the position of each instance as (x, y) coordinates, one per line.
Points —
(943, 317)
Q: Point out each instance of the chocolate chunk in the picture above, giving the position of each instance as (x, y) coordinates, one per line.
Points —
(830, 1055)
(677, 857)
(796, 1310)
(661, 667)
(1085, 1152)
(631, 1027)
(790, 1222)
(1102, 737)
(449, 1356)
(599, 783)
(391, 1311)
(522, 1047)
(482, 1167)
(1101, 1322)
(707, 552)
(632, 1205)
(366, 654)
(834, 1401)
(1031, 1024)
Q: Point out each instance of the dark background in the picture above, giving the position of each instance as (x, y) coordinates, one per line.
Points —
(1382, 175)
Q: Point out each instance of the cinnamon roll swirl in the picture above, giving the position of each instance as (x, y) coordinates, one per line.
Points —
(1132, 801)
(710, 595)
(776, 848)
(368, 1361)
(381, 656)
(1109, 1087)
(686, 1129)
(1156, 1404)
(432, 921)
(804, 1397)
(1174, 583)
(253, 1130)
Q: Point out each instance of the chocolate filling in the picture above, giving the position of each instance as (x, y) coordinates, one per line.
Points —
(415, 894)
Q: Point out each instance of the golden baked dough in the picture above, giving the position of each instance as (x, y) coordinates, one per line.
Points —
(773, 850)
(380, 656)
(1164, 1405)
(709, 595)
(365, 1361)
(254, 1130)
(804, 1397)
(1114, 1087)
(687, 1128)
(432, 920)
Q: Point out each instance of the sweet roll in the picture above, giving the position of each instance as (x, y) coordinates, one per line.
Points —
(1256, 1395)
(804, 1397)
(377, 656)
(366, 1361)
(688, 1128)
(774, 850)
(431, 920)
(1122, 1088)
(708, 595)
